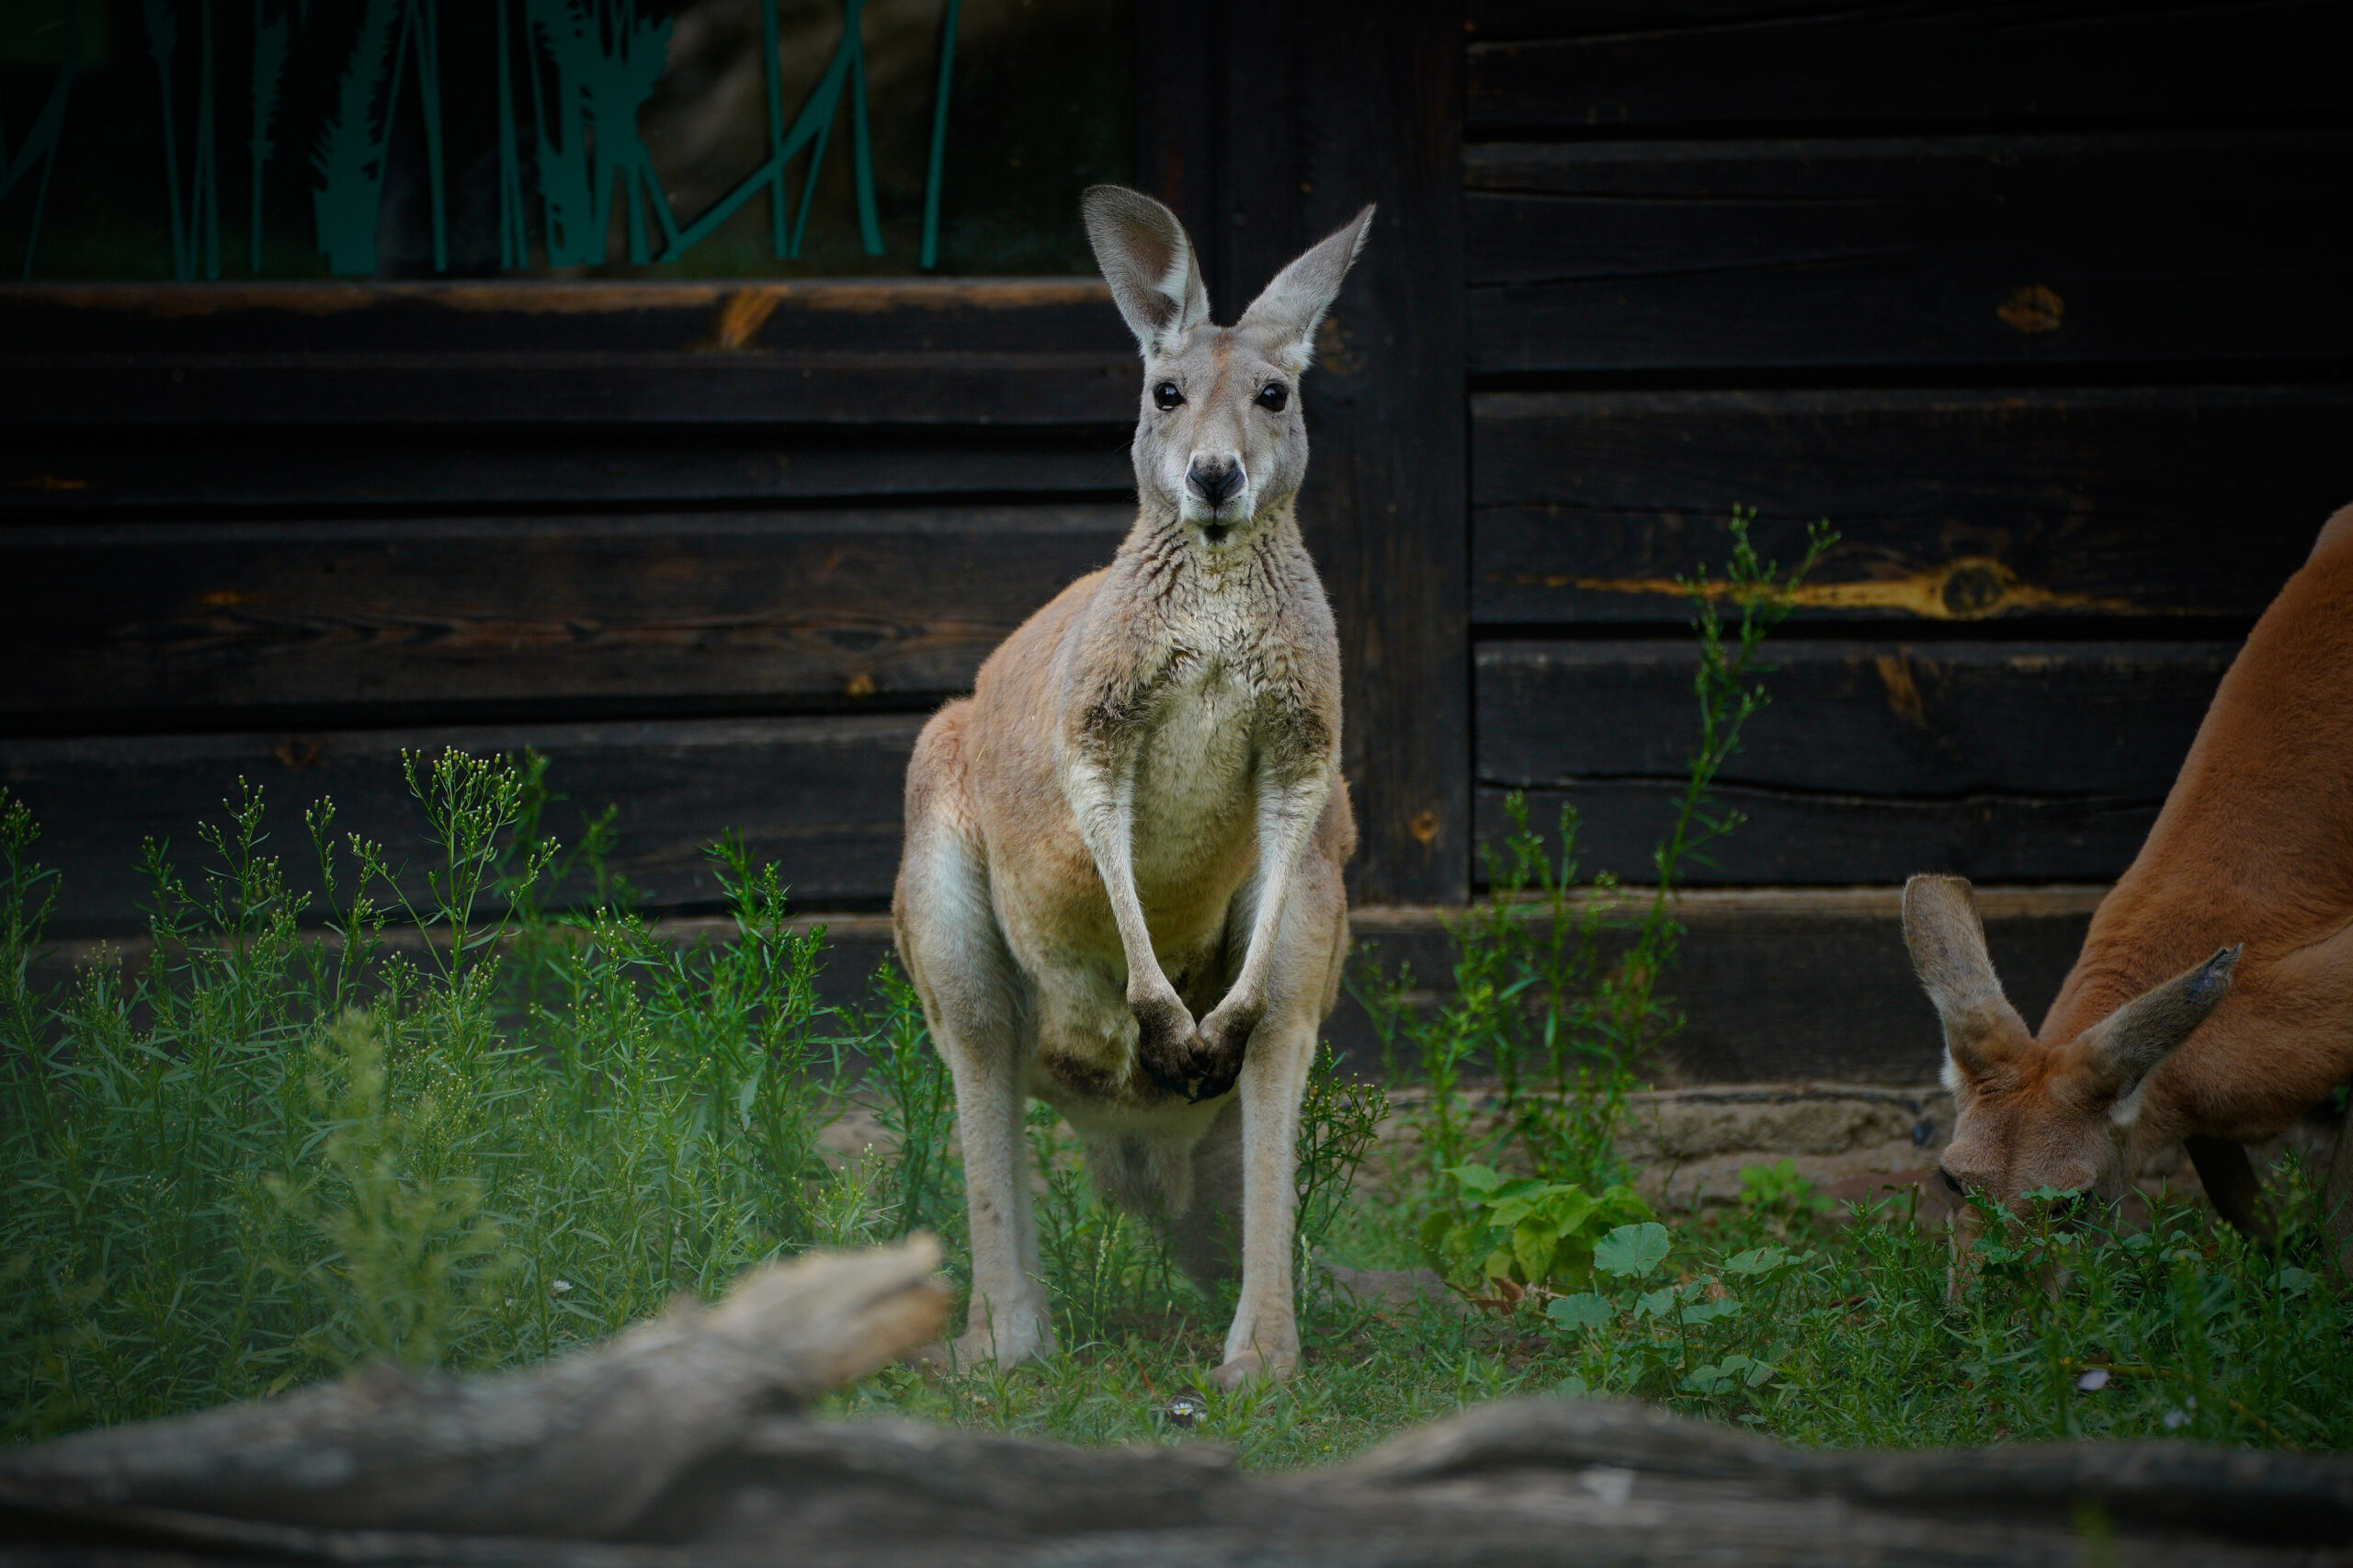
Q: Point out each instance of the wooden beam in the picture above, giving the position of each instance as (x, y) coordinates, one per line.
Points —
(1380, 103)
(115, 623)
(2161, 508)
(1538, 68)
(1988, 250)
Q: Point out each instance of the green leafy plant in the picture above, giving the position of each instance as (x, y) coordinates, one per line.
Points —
(1339, 1117)
(279, 1140)
(914, 1099)
(1512, 1236)
(1779, 1193)
(1556, 992)
(1645, 1330)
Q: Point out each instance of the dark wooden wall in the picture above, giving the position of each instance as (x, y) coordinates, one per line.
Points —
(2035, 303)
(715, 551)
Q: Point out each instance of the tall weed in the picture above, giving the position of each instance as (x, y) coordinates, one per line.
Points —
(263, 1152)
(1555, 991)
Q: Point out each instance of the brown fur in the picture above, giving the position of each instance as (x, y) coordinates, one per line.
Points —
(2214, 998)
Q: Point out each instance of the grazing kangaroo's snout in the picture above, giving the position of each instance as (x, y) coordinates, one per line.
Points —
(1214, 477)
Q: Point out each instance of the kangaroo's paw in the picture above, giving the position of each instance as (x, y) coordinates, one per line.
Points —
(1251, 1366)
(1224, 1042)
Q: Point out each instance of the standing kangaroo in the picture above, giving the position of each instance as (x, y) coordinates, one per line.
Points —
(1137, 820)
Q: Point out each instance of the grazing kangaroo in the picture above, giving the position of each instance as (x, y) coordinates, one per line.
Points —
(2151, 1038)
(1137, 820)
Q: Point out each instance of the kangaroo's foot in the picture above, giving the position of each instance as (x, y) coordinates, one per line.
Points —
(1254, 1366)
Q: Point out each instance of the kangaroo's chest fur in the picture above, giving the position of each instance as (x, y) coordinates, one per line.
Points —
(1222, 668)
(1194, 790)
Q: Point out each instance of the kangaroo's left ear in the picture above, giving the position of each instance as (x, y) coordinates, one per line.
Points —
(2125, 1046)
(1288, 312)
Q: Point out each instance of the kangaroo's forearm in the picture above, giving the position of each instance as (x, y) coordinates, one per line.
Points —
(1102, 802)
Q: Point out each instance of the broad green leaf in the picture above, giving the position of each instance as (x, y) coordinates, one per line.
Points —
(1534, 1247)
(1709, 1312)
(1586, 1310)
(1632, 1251)
(1476, 1178)
(1565, 1209)
(1756, 1260)
(1656, 1304)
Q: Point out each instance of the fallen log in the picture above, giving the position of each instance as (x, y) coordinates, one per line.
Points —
(573, 1448)
(680, 1445)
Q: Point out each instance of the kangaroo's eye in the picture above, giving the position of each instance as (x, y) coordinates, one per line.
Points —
(1952, 1184)
(1165, 396)
(1274, 397)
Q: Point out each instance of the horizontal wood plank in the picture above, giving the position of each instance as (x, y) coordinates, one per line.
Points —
(1936, 719)
(1984, 251)
(568, 390)
(1797, 839)
(1779, 984)
(430, 615)
(177, 476)
(979, 315)
(2169, 503)
(1998, 760)
(1538, 68)
(820, 797)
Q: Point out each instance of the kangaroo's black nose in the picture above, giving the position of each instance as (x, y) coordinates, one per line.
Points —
(1214, 482)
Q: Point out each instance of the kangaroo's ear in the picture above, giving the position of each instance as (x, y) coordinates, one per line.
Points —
(1146, 258)
(1287, 312)
(2125, 1046)
(1948, 943)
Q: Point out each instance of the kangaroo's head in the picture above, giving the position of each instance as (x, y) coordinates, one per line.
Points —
(1220, 445)
(2034, 1114)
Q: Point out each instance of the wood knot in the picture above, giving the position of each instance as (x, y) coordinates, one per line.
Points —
(1973, 589)
(736, 324)
(295, 753)
(859, 684)
(1423, 826)
(1333, 351)
(2032, 308)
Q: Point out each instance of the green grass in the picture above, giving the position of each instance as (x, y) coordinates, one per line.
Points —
(421, 1116)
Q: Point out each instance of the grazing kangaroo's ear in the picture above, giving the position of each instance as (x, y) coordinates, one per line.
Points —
(1289, 309)
(1146, 258)
(1948, 945)
(2125, 1046)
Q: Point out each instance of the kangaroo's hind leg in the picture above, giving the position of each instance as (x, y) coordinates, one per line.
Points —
(973, 999)
(1264, 1338)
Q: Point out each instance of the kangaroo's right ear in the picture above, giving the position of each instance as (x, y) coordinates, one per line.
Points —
(1948, 943)
(1148, 262)
(2124, 1048)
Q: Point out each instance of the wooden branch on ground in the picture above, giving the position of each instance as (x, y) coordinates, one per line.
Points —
(676, 1445)
(574, 1448)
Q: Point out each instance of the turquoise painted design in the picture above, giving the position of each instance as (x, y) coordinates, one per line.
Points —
(42, 141)
(514, 229)
(811, 128)
(349, 159)
(425, 43)
(272, 40)
(607, 60)
(196, 222)
(930, 257)
(591, 67)
(352, 147)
